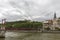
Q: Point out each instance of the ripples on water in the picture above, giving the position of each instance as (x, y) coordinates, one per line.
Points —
(31, 36)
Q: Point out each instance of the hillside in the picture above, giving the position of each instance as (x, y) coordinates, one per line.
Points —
(24, 24)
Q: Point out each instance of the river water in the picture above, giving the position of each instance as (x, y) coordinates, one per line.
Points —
(30, 36)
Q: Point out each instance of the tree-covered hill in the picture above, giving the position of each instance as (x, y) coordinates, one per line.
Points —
(23, 24)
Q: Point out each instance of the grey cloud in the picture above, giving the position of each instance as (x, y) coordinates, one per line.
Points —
(26, 9)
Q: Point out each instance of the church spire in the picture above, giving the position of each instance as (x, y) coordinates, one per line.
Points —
(54, 15)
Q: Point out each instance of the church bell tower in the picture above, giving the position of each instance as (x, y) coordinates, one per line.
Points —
(54, 21)
(54, 15)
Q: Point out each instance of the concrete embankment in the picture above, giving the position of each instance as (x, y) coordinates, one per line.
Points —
(28, 31)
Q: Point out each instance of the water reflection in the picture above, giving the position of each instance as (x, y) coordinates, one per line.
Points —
(2, 38)
(31, 36)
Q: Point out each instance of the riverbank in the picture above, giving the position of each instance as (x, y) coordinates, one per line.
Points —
(33, 31)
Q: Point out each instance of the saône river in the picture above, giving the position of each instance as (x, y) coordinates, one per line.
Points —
(11, 35)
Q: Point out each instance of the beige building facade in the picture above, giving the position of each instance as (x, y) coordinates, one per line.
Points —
(52, 24)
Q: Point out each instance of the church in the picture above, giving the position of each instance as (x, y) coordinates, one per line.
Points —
(53, 24)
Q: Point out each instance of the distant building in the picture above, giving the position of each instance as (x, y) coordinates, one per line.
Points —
(52, 24)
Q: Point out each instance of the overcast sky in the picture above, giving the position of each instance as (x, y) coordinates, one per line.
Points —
(38, 10)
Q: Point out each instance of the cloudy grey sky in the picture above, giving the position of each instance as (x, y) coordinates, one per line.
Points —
(38, 10)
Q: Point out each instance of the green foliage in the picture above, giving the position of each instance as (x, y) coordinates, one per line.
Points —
(57, 28)
(24, 24)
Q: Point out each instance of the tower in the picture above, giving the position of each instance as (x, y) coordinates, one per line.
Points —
(54, 21)
(3, 24)
(54, 15)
